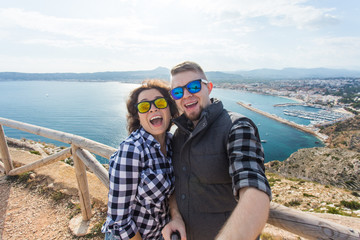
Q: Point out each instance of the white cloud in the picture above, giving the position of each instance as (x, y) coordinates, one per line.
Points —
(274, 12)
(93, 32)
(140, 34)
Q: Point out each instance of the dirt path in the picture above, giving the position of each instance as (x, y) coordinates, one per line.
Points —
(38, 206)
(25, 214)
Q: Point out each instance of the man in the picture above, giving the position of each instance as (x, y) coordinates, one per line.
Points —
(221, 191)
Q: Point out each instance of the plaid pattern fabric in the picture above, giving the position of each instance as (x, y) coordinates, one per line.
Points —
(141, 180)
(246, 157)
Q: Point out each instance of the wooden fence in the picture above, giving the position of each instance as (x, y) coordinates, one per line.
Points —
(291, 220)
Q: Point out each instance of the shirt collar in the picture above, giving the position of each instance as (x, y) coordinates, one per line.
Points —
(150, 140)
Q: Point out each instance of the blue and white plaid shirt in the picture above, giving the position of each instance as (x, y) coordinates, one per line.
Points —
(141, 180)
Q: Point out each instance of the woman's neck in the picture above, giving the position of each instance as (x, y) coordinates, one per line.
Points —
(162, 140)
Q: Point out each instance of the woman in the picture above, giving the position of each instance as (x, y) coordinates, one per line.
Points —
(140, 172)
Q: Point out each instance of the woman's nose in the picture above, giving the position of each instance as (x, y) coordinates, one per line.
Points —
(153, 107)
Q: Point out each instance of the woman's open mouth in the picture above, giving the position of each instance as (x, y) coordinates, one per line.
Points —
(156, 121)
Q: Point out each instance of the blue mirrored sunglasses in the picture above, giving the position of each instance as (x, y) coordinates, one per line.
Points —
(192, 87)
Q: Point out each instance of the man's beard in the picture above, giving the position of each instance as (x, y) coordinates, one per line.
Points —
(193, 116)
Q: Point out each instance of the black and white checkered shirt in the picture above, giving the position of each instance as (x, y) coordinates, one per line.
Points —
(141, 180)
(246, 156)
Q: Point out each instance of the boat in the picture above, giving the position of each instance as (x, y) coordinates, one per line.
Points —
(263, 141)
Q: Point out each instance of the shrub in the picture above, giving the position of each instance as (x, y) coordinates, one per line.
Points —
(355, 194)
(96, 229)
(294, 202)
(35, 152)
(333, 210)
(24, 177)
(266, 236)
(57, 196)
(273, 180)
(308, 195)
(352, 204)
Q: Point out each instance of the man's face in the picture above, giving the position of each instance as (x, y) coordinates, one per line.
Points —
(191, 104)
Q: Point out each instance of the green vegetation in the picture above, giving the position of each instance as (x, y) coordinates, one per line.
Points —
(35, 152)
(355, 194)
(309, 195)
(57, 196)
(273, 180)
(294, 202)
(22, 178)
(267, 236)
(295, 179)
(69, 161)
(76, 210)
(353, 205)
(96, 229)
(333, 210)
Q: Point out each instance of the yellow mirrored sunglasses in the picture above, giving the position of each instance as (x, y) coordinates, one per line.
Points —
(144, 106)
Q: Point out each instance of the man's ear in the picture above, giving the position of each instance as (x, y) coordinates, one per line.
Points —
(210, 86)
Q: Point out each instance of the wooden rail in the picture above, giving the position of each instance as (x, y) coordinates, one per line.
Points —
(291, 220)
(80, 151)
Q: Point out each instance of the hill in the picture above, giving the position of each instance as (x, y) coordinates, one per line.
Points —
(124, 76)
(344, 134)
(164, 73)
(298, 73)
(337, 164)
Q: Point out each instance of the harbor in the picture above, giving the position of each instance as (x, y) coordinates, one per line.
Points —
(322, 117)
(308, 129)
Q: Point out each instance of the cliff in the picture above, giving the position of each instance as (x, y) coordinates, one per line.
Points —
(337, 164)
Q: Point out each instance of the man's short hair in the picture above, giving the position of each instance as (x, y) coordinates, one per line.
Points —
(187, 66)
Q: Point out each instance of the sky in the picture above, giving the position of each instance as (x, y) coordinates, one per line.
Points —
(220, 35)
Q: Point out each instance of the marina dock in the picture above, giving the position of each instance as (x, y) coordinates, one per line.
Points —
(303, 128)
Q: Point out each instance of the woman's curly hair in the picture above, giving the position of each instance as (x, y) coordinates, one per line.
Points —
(133, 121)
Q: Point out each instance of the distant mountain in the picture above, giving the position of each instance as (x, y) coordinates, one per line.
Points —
(164, 73)
(297, 73)
(123, 76)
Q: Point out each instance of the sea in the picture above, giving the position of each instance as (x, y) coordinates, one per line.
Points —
(97, 111)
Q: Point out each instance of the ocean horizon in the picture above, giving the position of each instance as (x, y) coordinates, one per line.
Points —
(97, 111)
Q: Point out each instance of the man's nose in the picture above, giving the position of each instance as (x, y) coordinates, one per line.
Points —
(187, 93)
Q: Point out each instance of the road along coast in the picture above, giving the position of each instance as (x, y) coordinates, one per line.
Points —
(303, 128)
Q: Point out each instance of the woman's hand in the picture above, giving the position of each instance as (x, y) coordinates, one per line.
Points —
(176, 224)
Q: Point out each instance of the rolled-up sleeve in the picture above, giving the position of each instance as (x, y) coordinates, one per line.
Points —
(124, 170)
(246, 158)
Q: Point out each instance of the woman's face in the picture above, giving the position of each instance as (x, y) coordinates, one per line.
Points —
(155, 121)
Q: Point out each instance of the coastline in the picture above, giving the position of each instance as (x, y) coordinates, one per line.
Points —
(310, 130)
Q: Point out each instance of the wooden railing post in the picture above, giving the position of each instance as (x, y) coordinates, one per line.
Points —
(4, 150)
(81, 178)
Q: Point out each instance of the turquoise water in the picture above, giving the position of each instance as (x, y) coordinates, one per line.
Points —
(97, 110)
